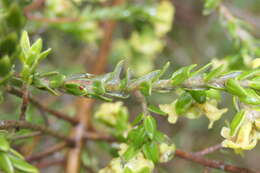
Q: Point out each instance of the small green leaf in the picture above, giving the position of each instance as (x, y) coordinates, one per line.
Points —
(138, 119)
(129, 153)
(36, 48)
(4, 145)
(136, 137)
(155, 109)
(234, 88)
(236, 122)
(98, 87)
(57, 81)
(25, 43)
(150, 126)
(44, 54)
(214, 73)
(22, 165)
(146, 78)
(182, 74)
(251, 98)
(146, 88)
(15, 153)
(199, 96)
(183, 103)
(5, 65)
(255, 83)
(248, 74)
(5, 163)
(204, 68)
(151, 151)
(75, 89)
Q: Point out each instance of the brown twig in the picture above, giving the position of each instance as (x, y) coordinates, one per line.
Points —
(33, 134)
(212, 163)
(36, 5)
(8, 124)
(41, 106)
(25, 102)
(48, 163)
(47, 152)
(208, 150)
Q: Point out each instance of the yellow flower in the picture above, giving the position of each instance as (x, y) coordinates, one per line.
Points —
(245, 139)
(170, 110)
(211, 111)
(110, 112)
(165, 13)
(135, 164)
(166, 152)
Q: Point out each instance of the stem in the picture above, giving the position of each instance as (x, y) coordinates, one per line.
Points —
(208, 150)
(8, 124)
(47, 152)
(41, 106)
(212, 163)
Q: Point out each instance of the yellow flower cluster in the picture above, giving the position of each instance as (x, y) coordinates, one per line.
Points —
(135, 165)
(110, 112)
(246, 134)
(209, 109)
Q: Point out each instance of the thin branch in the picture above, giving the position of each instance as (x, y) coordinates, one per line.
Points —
(208, 150)
(48, 163)
(142, 101)
(33, 134)
(212, 163)
(25, 101)
(47, 152)
(41, 106)
(8, 124)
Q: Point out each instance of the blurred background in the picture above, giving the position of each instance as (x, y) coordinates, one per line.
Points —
(182, 36)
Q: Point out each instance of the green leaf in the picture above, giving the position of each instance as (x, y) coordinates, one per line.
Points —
(199, 96)
(251, 98)
(44, 54)
(182, 74)
(248, 74)
(138, 119)
(162, 71)
(5, 163)
(255, 83)
(183, 103)
(4, 145)
(22, 165)
(130, 153)
(214, 73)
(5, 65)
(146, 78)
(136, 137)
(75, 89)
(155, 109)
(150, 126)
(151, 151)
(15, 153)
(237, 122)
(234, 88)
(146, 88)
(57, 81)
(25, 43)
(98, 87)
(36, 48)
(204, 68)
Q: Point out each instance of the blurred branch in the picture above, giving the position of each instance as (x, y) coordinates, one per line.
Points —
(41, 106)
(38, 4)
(212, 163)
(25, 101)
(47, 152)
(85, 105)
(48, 163)
(208, 150)
(33, 134)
